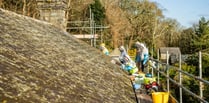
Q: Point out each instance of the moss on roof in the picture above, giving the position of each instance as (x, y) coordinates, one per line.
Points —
(40, 63)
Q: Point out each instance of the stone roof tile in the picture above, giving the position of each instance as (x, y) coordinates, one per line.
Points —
(40, 63)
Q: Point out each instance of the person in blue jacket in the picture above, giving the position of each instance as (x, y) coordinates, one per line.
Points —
(142, 56)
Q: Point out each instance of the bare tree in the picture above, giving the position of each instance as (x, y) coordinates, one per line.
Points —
(1, 3)
(117, 21)
(69, 7)
(24, 11)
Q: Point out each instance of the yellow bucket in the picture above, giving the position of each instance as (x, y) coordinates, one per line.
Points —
(160, 97)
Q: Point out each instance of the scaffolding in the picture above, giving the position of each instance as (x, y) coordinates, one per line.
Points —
(91, 26)
(54, 11)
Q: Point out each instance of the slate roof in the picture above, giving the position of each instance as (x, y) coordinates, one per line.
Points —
(40, 63)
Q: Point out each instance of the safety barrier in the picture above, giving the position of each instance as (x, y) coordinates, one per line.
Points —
(179, 84)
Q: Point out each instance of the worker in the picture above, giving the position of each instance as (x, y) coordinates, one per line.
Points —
(142, 56)
(104, 49)
(126, 62)
(138, 56)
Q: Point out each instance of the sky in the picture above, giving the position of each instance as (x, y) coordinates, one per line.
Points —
(186, 12)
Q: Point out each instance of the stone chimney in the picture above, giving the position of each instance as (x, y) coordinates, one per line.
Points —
(53, 11)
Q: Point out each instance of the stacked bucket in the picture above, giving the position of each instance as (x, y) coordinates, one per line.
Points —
(148, 82)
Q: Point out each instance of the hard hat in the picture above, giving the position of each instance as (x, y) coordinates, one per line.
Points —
(141, 44)
(138, 44)
(121, 48)
(102, 44)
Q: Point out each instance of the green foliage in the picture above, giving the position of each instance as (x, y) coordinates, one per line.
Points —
(206, 91)
(188, 68)
(98, 11)
(205, 64)
(201, 35)
(185, 67)
(195, 39)
(193, 60)
(188, 82)
(172, 72)
(186, 44)
(192, 85)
